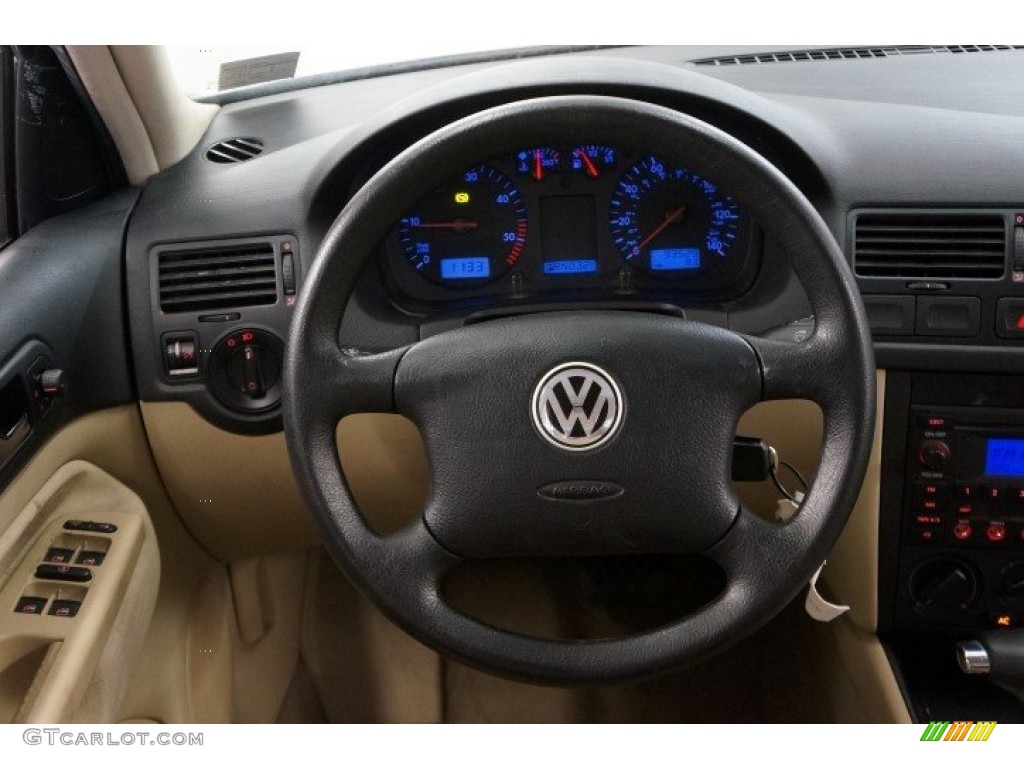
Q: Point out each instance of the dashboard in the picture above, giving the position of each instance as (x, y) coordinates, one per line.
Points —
(581, 222)
(914, 163)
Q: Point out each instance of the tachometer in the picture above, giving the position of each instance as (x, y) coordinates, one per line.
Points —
(467, 232)
(671, 221)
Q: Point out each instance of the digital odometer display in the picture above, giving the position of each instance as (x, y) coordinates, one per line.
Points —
(570, 267)
(1004, 456)
(667, 259)
(469, 268)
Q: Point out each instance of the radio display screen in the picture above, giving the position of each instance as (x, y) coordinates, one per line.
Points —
(1004, 456)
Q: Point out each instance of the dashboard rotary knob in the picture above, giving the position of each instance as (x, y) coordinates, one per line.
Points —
(245, 370)
(943, 586)
(934, 454)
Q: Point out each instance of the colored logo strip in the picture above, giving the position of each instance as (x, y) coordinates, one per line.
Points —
(944, 730)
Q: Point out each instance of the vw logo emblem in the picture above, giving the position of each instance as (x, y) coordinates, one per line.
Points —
(577, 406)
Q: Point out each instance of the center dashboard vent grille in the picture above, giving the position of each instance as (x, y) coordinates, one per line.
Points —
(926, 245)
(234, 150)
(847, 54)
(217, 277)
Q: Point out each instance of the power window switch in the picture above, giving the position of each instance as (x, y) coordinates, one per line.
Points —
(33, 605)
(91, 558)
(59, 555)
(63, 573)
(90, 526)
(67, 609)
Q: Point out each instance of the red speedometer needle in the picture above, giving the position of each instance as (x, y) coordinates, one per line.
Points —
(459, 225)
(670, 218)
(538, 167)
(587, 163)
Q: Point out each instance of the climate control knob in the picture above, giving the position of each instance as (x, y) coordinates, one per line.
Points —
(943, 586)
(933, 454)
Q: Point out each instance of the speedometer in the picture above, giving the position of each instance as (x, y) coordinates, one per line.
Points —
(467, 232)
(672, 221)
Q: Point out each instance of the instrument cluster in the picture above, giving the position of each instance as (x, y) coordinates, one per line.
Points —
(577, 223)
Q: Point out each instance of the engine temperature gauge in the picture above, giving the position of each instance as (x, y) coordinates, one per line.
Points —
(538, 162)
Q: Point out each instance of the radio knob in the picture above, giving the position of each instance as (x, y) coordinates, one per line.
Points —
(934, 454)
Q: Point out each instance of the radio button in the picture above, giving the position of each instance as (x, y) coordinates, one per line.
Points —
(934, 422)
(963, 531)
(925, 535)
(995, 532)
(927, 505)
(931, 489)
(967, 490)
(995, 493)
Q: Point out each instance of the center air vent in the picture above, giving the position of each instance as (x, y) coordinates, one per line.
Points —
(234, 150)
(223, 277)
(926, 245)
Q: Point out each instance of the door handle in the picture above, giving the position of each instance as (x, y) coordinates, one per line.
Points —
(13, 437)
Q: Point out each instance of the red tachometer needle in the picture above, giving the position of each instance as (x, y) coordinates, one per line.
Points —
(538, 168)
(459, 225)
(587, 163)
(671, 217)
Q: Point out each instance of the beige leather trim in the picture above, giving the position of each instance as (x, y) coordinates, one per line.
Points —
(238, 495)
(173, 121)
(153, 124)
(78, 490)
(852, 571)
(107, 90)
(862, 681)
(156, 685)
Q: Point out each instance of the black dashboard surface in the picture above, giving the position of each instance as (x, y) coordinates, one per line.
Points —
(937, 131)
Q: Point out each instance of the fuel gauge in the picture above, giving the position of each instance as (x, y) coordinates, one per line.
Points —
(592, 160)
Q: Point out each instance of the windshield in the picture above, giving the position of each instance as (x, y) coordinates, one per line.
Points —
(205, 71)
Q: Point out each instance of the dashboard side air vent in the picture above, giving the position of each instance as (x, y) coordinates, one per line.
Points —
(847, 54)
(927, 245)
(217, 277)
(234, 150)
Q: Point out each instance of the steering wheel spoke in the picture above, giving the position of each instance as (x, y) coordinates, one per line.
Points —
(800, 370)
(350, 381)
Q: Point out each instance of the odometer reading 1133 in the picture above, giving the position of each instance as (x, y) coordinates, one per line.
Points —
(467, 232)
(671, 221)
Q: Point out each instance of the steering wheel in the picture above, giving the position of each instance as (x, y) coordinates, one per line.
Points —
(652, 402)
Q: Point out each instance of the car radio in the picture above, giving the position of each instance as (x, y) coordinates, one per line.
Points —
(962, 559)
